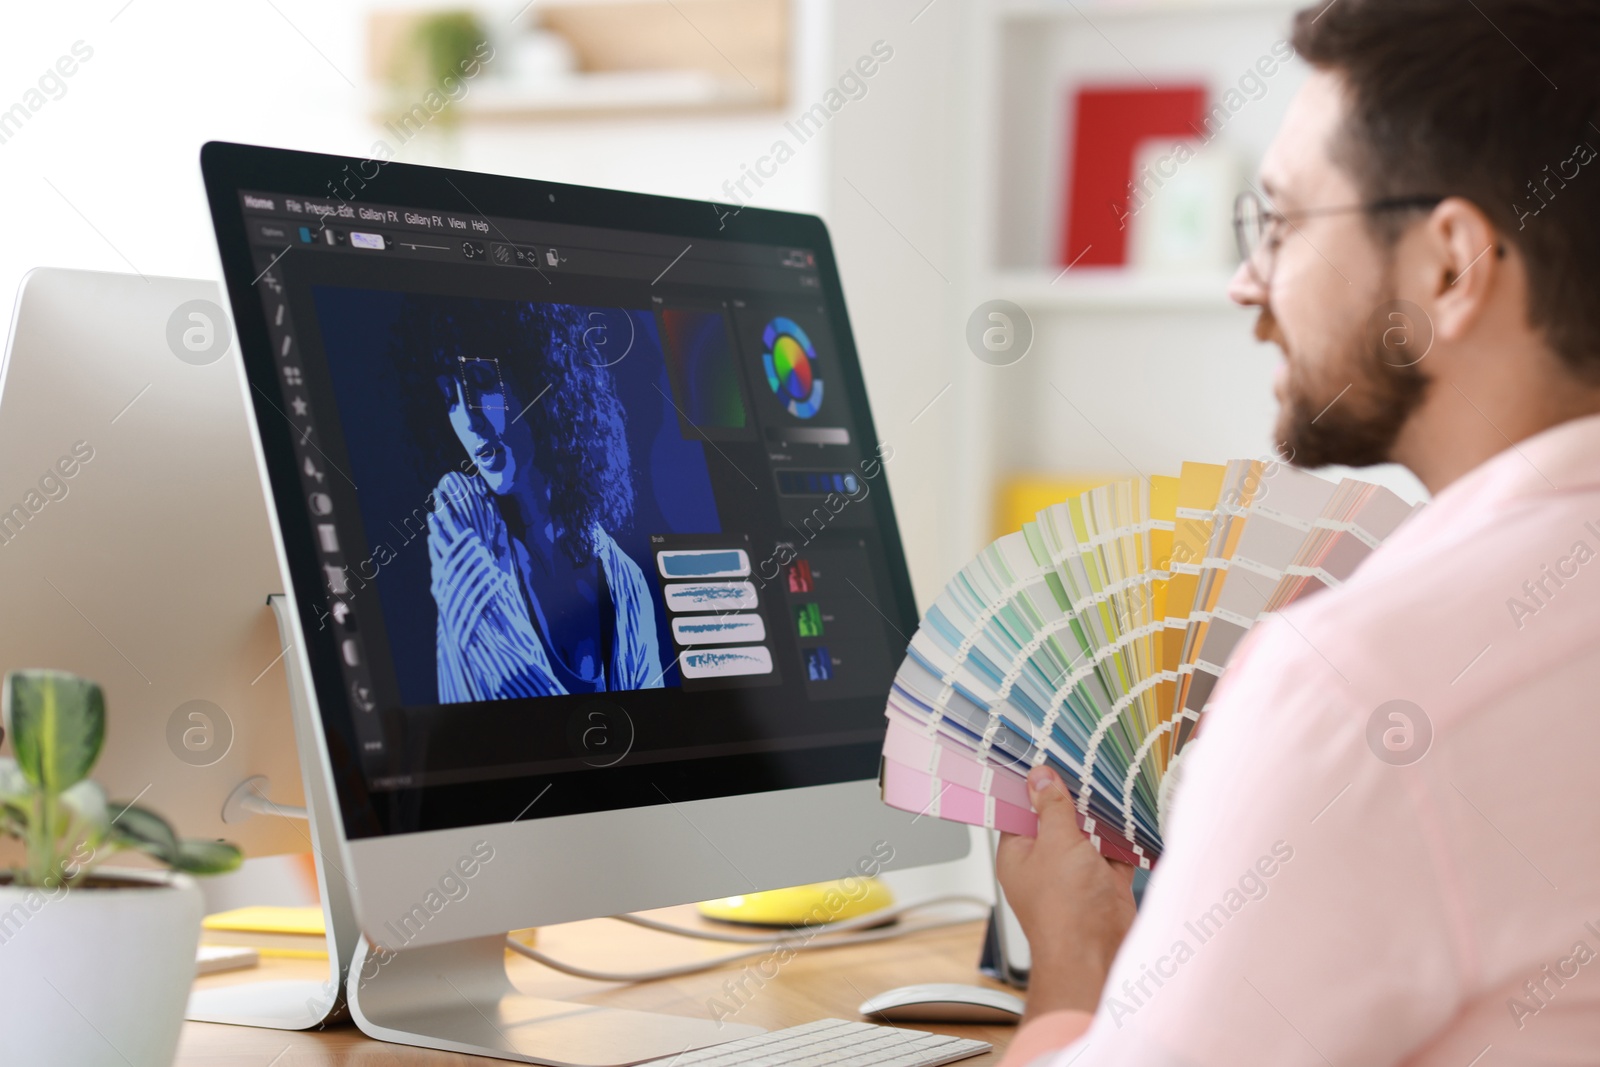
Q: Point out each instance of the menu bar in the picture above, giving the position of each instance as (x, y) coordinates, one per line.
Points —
(282, 223)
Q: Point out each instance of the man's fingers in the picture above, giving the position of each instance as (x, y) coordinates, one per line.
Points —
(1045, 785)
(1124, 872)
(1053, 804)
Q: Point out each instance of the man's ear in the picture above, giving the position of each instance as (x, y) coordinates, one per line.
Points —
(1464, 263)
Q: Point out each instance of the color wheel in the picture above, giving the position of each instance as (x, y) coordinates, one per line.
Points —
(790, 363)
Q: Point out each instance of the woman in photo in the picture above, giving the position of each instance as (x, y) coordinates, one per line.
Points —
(534, 596)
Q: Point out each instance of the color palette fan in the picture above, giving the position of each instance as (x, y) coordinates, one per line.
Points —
(1091, 639)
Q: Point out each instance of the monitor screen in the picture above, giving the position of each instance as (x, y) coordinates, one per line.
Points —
(581, 498)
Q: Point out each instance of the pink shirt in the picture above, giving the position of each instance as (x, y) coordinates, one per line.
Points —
(1318, 904)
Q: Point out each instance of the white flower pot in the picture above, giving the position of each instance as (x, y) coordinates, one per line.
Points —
(93, 975)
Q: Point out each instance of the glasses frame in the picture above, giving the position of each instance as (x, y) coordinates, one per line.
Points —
(471, 392)
(1270, 218)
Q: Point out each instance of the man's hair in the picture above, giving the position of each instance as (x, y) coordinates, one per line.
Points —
(1494, 101)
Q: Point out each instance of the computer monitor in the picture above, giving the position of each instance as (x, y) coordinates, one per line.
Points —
(586, 530)
(135, 548)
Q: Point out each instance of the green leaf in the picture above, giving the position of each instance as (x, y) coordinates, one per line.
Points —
(16, 799)
(207, 857)
(57, 723)
(143, 829)
(13, 783)
(87, 801)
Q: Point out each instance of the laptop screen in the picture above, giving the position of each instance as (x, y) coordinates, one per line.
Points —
(568, 500)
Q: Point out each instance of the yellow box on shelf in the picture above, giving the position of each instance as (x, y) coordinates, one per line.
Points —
(1023, 496)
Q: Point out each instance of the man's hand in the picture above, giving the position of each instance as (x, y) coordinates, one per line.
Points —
(1075, 905)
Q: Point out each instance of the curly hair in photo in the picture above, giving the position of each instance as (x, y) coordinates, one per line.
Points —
(552, 381)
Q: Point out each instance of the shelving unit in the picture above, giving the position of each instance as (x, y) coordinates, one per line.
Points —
(1111, 290)
(1128, 371)
(1010, 9)
(634, 59)
(621, 93)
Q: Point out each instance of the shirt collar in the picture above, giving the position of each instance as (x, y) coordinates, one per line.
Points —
(1563, 459)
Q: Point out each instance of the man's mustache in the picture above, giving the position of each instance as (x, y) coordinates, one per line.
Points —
(1266, 324)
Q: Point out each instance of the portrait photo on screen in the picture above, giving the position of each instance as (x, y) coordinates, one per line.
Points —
(514, 459)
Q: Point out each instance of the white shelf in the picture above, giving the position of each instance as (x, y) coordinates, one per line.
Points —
(1112, 289)
(1096, 10)
(610, 93)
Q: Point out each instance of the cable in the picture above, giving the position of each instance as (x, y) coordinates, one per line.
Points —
(802, 943)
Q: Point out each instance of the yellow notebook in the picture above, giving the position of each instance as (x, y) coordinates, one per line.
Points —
(286, 932)
(269, 920)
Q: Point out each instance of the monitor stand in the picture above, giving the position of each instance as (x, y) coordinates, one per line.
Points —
(456, 996)
(306, 1004)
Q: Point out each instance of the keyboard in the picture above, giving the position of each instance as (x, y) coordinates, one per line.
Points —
(832, 1043)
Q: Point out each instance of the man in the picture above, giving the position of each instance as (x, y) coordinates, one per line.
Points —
(1386, 845)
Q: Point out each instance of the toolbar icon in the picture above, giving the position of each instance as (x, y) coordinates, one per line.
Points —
(338, 583)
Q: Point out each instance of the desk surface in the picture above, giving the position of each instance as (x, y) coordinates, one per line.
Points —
(814, 985)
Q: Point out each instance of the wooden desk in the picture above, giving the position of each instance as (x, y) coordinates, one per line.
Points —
(813, 985)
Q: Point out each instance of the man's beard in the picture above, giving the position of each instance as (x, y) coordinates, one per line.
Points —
(1318, 426)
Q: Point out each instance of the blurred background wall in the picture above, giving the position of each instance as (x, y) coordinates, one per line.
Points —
(972, 165)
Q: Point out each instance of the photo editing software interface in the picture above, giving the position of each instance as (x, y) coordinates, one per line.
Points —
(547, 464)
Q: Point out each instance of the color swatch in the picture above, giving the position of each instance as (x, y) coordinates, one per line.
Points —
(1091, 639)
(800, 580)
(819, 664)
(808, 620)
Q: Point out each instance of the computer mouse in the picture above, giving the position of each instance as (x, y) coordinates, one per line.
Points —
(944, 1002)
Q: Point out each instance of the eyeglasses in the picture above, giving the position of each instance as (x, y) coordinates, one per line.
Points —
(1260, 229)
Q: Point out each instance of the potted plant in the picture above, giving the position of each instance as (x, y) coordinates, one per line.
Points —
(95, 964)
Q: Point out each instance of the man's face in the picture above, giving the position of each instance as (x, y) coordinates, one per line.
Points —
(1343, 393)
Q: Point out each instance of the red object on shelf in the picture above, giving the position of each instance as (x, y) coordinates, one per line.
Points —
(1109, 124)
